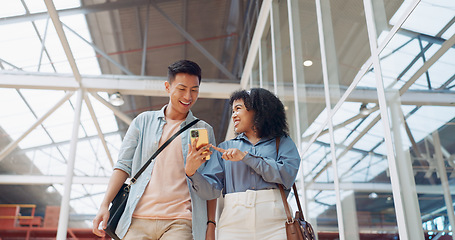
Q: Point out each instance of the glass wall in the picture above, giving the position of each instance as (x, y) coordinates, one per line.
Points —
(368, 87)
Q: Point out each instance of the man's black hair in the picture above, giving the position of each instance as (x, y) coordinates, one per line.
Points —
(269, 114)
(183, 66)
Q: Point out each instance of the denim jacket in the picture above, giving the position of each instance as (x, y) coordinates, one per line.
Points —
(262, 168)
(139, 143)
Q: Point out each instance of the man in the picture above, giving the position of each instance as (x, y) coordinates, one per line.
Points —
(162, 204)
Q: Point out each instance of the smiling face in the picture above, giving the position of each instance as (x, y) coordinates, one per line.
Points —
(243, 119)
(183, 93)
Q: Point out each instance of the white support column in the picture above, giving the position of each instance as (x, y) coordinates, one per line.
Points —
(255, 41)
(350, 216)
(145, 41)
(261, 58)
(264, 78)
(65, 204)
(277, 63)
(408, 226)
(444, 181)
(298, 76)
(404, 170)
(330, 74)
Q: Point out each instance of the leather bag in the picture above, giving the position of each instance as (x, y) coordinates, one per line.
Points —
(119, 202)
(116, 210)
(297, 228)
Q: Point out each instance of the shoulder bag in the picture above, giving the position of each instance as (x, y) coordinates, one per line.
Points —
(119, 202)
(297, 228)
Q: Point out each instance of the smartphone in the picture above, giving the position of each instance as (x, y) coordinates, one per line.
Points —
(202, 136)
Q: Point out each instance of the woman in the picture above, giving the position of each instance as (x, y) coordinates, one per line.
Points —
(248, 168)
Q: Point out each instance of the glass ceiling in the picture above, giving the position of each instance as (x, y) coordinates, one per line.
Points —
(37, 48)
(399, 61)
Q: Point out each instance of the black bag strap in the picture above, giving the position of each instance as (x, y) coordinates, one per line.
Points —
(283, 196)
(133, 180)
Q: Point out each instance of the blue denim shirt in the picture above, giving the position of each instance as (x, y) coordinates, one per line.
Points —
(262, 168)
(140, 142)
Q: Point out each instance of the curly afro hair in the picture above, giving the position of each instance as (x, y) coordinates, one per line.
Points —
(270, 117)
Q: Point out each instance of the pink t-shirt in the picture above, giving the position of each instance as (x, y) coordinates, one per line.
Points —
(166, 195)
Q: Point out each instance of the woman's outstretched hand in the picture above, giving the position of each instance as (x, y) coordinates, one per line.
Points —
(231, 154)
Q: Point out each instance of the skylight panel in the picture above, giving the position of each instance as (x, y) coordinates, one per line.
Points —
(20, 48)
(381, 149)
(440, 72)
(449, 32)
(16, 119)
(54, 49)
(35, 6)
(340, 135)
(50, 161)
(368, 80)
(86, 159)
(348, 159)
(429, 17)
(346, 111)
(41, 101)
(11, 8)
(428, 119)
(60, 123)
(64, 4)
(83, 53)
(367, 142)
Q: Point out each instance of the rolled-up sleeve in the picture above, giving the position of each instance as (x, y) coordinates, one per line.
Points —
(128, 148)
(208, 181)
(281, 170)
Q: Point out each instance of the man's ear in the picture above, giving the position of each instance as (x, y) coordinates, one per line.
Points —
(167, 86)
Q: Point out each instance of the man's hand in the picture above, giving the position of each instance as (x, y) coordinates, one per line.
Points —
(101, 216)
(231, 154)
(196, 157)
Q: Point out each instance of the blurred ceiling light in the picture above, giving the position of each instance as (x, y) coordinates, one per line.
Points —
(307, 63)
(363, 109)
(373, 195)
(116, 99)
(388, 200)
(50, 189)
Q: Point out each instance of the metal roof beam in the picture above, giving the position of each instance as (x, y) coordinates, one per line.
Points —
(376, 187)
(358, 187)
(47, 180)
(108, 6)
(153, 86)
(136, 85)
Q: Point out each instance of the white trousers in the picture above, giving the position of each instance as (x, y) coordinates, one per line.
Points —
(253, 215)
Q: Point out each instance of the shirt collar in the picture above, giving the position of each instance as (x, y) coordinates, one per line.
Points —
(244, 138)
(189, 117)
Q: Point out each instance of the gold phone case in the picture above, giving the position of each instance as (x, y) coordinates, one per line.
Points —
(202, 135)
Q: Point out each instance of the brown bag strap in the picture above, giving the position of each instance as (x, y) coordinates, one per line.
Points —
(283, 195)
(285, 203)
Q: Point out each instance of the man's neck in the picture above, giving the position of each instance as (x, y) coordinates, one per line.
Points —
(172, 115)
